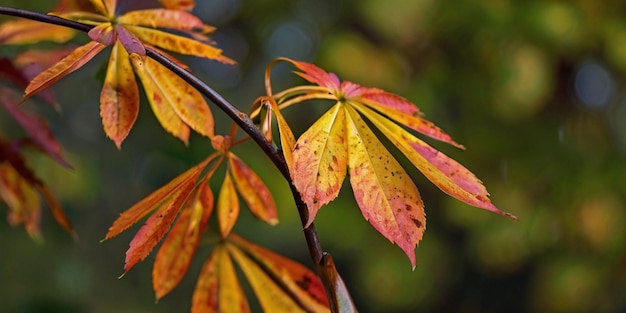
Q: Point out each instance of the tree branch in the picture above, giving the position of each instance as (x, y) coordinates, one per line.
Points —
(239, 117)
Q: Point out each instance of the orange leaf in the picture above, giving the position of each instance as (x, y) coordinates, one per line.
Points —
(158, 224)
(119, 99)
(159, 101)
(105, 7)
(384, 192)
(182, 45)
(341, 300)
(272, 297)
(21, 199)
(187, 103)
(57, 211)
(174, 19)
(227, 207)
(297, 281)
(67, 65)
(320, 160)
(253, 190)
(176, 252)
(151, 202)
(19, 32)
(447, 174)
(104, 34)
(186, 5)
(218, 289)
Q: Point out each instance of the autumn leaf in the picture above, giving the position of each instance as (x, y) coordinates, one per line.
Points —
(119, 99)
(67, 65)
(218, 289)
(386, 195)
(287, 278)
(186, 5)
(36, 127)
(176, 252)
(18, 189)
(20, 32)
(253, 190)
(227, 206)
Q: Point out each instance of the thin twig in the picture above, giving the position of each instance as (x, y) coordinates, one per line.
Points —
(242, 119)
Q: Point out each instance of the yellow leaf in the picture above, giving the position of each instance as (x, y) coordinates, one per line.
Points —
(106, 7)
(320, 159)
(187, 103)
(298, 282)
(20, 32)
(384, 192)
(159, 100)
(447, 174)
(218, 289)
(177, 43)
(119, 99)
(174, 19)
(227, 207)
(271, 297)
(253, 191)
(67, 65)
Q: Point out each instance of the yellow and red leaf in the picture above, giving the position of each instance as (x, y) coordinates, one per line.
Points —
(384, 192)
(186, 5)
(218, 289)
(320, 160)
(104, 34)
(119, 99)
(164, 18)
(340, 300)
(175, 254)
(159, 100)
(293, 278)
(253, 190)
(21, 199)
(67, 65)
(272, 297)
(447, 174)
(19, 32)
(131, 43)
(227, 206)
(180, 44)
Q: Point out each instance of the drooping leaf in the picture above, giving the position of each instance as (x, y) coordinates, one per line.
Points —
(253, 190)
(296, 281)
(21, 31)
(131, 43)
(186, 5)
(119, 99)
(340, 301)
(157, 224)
(104, 34)
(176, 252)
(105, 7)
(56, 209)
(163, 18)
(218, 289)
(164, 88)
(384, 192)
(35, 127)
(159, 101)
(447, 174)
(320, 160)
(271, 296)
(152, 201)
(67, 65)
(227, 207)
(22, 201)
(180, 44)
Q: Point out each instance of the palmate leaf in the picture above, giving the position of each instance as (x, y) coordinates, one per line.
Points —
(386, 195)
(280, 284)
(176, 252)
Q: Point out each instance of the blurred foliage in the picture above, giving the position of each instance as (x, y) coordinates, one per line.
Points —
(534, 89)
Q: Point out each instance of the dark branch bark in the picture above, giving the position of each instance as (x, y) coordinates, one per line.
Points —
(239, 117)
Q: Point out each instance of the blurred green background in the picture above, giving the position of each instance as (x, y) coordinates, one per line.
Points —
(534, 89)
